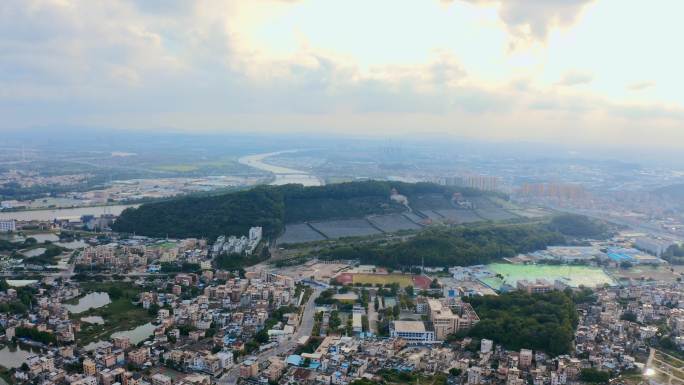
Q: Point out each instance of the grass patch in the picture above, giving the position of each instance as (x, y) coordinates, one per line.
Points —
(178, 167)
(120, 315)
(663, 356)
(6, 375)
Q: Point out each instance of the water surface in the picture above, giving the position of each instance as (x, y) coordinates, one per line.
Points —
(136, 335)
(89, 301)
(70, 213)
(12, 356)
(93, 319)
(283, 175)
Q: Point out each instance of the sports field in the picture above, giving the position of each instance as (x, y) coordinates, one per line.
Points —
(420, 282)
(574, 276)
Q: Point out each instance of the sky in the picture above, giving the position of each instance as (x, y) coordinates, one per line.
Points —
(567, 71)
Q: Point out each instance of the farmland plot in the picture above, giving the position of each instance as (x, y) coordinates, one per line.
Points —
(433, 215)
(460, 216)
(482, 203)
(298, 233)
(495, 214)
(429, 202)
(393, 222)
(414, 217)
(345, 228)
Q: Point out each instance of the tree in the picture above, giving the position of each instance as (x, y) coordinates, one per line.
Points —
(629, 316)
(519, 320)
(594, 376)
(578, 226)
(441, 246)
(409, 290)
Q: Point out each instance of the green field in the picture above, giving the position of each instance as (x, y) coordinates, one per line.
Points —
(119, 315)
(383, 279)
(178, 167)
(573, 275)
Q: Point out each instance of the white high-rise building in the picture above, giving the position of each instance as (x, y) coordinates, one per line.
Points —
(486, 345)
(255, 234)
(7, 226)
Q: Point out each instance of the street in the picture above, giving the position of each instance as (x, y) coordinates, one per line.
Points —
(305, 328)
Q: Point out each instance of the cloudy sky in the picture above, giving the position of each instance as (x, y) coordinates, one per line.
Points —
(549, 70)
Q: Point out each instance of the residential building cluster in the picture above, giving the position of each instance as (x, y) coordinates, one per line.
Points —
(235, 245)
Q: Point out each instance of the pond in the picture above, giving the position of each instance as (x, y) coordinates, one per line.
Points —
(93, 319)
(21, 282)
(73, 245)
(33, 252)
(40, 237)
(89, 301)
(136, 335)
(12, 356)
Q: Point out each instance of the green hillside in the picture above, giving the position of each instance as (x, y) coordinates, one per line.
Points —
(455, 246)
(270, 207)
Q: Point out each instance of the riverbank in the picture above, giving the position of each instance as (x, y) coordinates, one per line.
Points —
(63, 213)
(283, 175)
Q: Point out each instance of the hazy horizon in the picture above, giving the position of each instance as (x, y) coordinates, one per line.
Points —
(583, 73)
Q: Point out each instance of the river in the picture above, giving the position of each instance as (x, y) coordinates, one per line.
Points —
(283, 175)
(70, 213)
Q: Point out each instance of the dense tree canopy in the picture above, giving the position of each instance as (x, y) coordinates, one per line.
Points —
(268, 206)
(674, 254)
(519, 320)
(578, 226)
(594, 376)
(460, 246)
(211, 216)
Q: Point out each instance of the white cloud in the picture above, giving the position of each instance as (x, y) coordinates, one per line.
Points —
(252, 65)
(640, 86)
(574, 78)
(533, 19)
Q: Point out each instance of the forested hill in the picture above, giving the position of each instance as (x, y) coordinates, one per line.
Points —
(270, 207)
(458, 246)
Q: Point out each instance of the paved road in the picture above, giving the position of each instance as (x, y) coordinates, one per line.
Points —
(304, 329)
(373, 315)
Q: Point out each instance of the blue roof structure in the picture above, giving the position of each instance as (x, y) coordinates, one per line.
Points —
(294, 359)
(620, 257)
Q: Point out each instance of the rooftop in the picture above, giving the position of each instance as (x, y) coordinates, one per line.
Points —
(409, 326)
